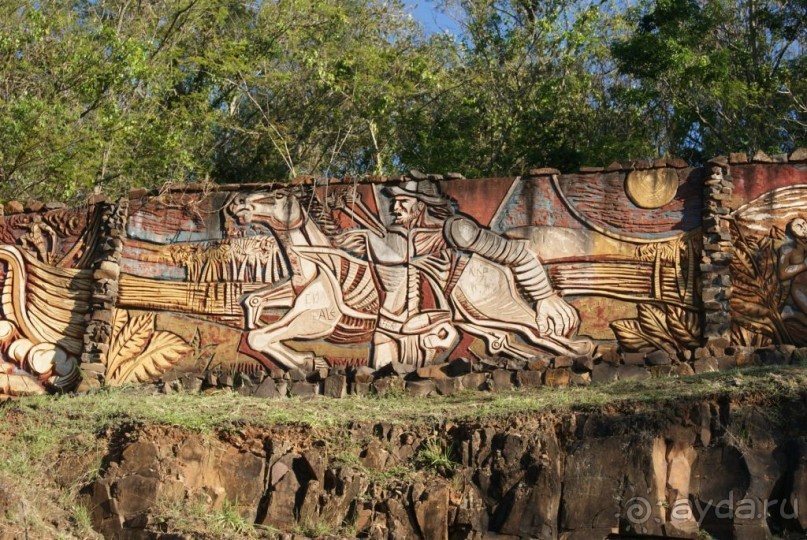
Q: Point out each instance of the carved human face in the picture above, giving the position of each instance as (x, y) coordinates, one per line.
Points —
(799, 228)
(406, 210)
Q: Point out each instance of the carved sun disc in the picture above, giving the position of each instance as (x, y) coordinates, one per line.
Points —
(651, 188)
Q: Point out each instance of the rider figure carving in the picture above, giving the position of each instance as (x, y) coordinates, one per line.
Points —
(419, 258)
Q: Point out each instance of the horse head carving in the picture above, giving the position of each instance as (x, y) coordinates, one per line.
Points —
(279, 209)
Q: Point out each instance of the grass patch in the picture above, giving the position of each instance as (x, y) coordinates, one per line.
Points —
(197, 519)
(227, 519)
(82, 520)
(436, 455)
(313, 528)
(48, 419)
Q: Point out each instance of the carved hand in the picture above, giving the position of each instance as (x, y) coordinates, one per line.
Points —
(555, 316)
(352, 197)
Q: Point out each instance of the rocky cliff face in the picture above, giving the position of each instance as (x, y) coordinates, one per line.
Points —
(731, 469)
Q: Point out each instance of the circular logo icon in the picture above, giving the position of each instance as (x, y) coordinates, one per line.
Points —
(637, 510)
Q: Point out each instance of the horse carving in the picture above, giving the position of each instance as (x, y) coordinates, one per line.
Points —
(332, 294)
(328, 295)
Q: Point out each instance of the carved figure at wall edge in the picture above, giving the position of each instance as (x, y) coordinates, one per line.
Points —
(792, 267)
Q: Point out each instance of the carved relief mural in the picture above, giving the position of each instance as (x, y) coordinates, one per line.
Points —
(45, 292)
(410, 273)
(768, 305)
(671, 321)
(404, 274)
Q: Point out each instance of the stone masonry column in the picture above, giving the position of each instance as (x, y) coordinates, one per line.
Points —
(106, 272)
(716, 286)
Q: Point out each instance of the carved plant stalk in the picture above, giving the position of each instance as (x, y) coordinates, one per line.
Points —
(759, 295)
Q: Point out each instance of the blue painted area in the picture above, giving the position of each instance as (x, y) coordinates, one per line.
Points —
(525, 206)
(131, 264)
(530, 205)
(156, 270)
(140, 227)
(173, 238)
(509, 213)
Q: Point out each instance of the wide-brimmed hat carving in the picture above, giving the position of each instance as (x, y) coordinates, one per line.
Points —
(422, 190)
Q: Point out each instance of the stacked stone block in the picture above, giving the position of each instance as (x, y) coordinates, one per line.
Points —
(106, 273)
(717, 254)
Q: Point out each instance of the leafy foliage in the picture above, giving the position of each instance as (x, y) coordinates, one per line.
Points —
(530, 83)
(110, 94)
(437, 455)
(140, 353)
(668, 328)
(720, 75)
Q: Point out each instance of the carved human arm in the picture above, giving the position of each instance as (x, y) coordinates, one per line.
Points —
(354, 241)
(350, 202)
(552, 313)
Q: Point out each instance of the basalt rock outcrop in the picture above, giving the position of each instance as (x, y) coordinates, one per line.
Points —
(732, 469)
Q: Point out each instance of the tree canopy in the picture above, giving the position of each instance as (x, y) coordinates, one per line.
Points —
(114, 94)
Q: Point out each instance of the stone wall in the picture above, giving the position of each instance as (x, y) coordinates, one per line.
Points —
(444, 282)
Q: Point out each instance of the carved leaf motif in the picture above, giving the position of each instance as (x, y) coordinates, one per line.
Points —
(196, 341)
(119, 320)
(759, 294)
(762, 326)
(743, 266)
(750, 309)
(654, 322)
(164, 350)
(631, 336)
(741, 335)
(129, 342)
(767, 262)
(684, 326)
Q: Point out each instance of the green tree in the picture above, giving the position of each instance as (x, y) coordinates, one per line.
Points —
(721, 75)
(97, 94)
(321, 83)
(116, 94)
(531, 83)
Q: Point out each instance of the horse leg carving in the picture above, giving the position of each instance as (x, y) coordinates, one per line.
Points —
(276, 296)
(314, 315)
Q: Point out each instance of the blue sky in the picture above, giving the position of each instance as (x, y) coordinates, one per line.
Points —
(432, 19)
